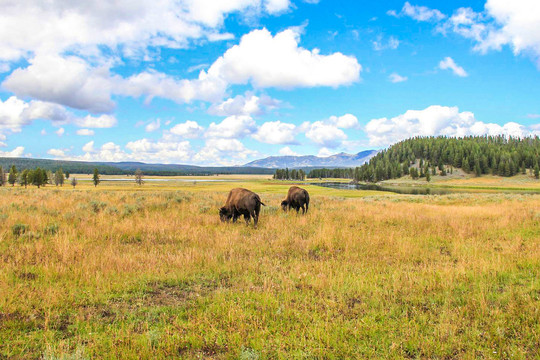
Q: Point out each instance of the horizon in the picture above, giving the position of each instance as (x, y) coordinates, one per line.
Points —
(226, 83)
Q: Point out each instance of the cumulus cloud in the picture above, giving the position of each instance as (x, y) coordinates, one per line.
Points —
(85, 132)
(189, 129)
(287, 151)
(449, 63)
(247, 104)
(502, 23)
(277, 61)
(57, 153)
(232, 127)
(224, 152)
(418, 13)
(276, 132)
(433, 121)
(60, 131)
(17, 152)
(153, 126)
(69, 81)
(396, 78)
(326, 135)
(133, 26)
(325, 152)
(16, 113)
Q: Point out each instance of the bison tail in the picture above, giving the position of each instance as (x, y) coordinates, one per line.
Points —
(263, 204)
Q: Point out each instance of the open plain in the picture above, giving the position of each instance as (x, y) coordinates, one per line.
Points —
(127, 271)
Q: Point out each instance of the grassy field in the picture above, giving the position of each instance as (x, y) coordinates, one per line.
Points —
(122, 271)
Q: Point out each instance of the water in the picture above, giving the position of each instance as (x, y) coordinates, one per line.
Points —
(416, 190)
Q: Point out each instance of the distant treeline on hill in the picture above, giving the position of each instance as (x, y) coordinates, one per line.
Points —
(126, 168)
(497, 155)
(286, 174)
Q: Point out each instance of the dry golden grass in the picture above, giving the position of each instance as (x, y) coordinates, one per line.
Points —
(110, 272)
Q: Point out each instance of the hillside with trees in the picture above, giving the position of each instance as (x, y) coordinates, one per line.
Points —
(477, 155)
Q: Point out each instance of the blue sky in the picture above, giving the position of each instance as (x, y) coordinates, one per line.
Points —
(213, 82)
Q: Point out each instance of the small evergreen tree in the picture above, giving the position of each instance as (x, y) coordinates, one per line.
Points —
(428, 177)
(536, 171)
(67, 174)
(74, 182)
(12, 178)
(95, 178)
(2, 177)
(23, 177)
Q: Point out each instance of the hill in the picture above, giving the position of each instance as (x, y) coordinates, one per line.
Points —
(496, 155)
(307, 161)
(122, 168)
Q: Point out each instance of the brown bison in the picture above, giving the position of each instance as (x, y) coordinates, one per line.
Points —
(241, 202)
(296, 198)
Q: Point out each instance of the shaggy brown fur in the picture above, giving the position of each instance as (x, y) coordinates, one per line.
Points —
(241, 202)
(297, 199)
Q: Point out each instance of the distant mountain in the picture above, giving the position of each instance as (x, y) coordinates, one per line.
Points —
(306, 161)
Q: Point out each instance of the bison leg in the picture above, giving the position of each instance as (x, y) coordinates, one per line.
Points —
(303, 210)
(247, 218)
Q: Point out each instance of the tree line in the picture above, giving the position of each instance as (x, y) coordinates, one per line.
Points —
(286, 174)
(496, 155)
(40, 177)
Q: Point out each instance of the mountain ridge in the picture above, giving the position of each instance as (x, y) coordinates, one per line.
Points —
(305, 161)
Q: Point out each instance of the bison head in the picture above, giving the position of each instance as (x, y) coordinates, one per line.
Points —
(284, 205)
(225, 214)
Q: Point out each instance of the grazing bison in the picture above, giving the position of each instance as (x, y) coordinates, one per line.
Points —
(241, 202)
(296, 198)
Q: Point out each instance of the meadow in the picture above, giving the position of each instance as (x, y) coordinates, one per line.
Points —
(127, 271)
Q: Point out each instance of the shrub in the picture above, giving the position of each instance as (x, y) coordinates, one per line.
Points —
(19, 229)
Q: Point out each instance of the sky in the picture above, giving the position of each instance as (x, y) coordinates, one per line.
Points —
(224, 82)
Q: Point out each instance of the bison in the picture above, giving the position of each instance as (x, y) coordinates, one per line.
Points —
(241, 202)
(296, 198)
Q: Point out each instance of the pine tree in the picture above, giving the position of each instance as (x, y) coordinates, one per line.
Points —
(95, 178)
(428, 177)
(12, 178)
(74, 182)
(536, 171)
(2, 177)
(23, 178)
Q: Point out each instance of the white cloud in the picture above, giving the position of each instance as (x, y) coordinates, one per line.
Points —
(16, 113)
(69, 81)
(247, 104)
(88, 147)
(58, 153)
(276, 132)
(85, 132)
(55, 26)
(396, 78)
(17, 152)
(232, 127)
(533, 116)
(224, 152)
(43, 132)
(277, 61)
(418, 13)
(392, 43)
(287, 151)
(325, 152)
(189, 129)
(449, 63)
(433, 121)
(153, 126)
(326, 135)
(60, 131)
(102, 121)
(346, 121)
